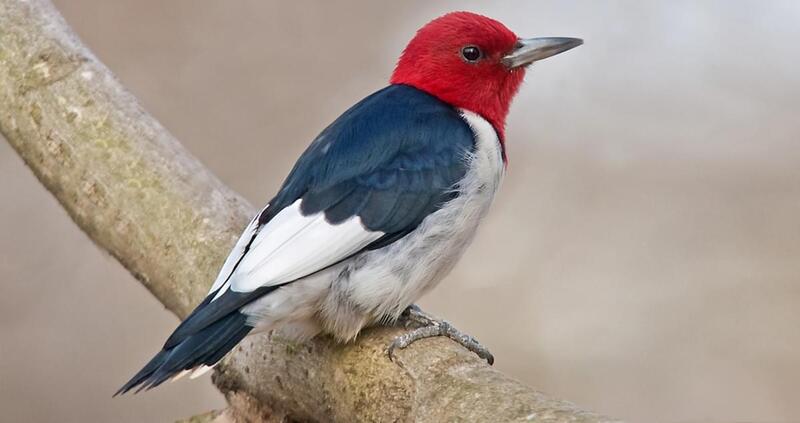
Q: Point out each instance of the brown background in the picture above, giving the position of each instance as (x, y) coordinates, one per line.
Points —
(641, 260)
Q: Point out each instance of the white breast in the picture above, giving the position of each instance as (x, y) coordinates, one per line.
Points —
(382, 283)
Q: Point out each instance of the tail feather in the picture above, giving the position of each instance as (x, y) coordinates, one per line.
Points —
(205, 347)
(143, 374)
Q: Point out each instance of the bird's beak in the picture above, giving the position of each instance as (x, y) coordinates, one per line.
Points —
(529, 50)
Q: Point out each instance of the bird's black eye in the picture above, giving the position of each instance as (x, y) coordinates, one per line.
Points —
(471, 54)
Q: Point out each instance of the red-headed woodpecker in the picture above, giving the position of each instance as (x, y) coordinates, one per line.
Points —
(379, 207)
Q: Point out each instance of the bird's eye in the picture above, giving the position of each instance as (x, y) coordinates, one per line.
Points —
(471, 54)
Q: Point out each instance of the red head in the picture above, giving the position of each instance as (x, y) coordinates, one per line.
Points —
(472, 62)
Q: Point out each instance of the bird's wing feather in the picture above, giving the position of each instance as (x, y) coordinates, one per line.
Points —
(236, 254)
(292, 245)
(368, 179)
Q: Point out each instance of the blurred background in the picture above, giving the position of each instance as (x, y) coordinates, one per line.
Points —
(641, 260)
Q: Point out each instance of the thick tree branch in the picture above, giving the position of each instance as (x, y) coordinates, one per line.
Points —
(140, 196)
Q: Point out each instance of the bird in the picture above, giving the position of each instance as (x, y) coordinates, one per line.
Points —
(377, 210)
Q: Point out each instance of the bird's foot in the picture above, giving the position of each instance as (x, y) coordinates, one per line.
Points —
(427, 326)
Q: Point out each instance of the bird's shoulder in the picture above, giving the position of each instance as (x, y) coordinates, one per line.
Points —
(399, 141)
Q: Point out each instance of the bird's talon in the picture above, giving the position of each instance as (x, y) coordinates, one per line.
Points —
(428, 327)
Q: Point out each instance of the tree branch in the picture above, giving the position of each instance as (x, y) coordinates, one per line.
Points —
(140, 196)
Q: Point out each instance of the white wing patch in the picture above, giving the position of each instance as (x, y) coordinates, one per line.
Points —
(291, 246)
(236, 253)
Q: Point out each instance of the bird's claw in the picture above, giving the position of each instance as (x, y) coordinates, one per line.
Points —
(427, 327)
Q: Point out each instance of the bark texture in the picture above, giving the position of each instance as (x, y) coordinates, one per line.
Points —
(139, 195)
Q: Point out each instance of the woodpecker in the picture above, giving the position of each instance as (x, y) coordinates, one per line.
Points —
(377, 210)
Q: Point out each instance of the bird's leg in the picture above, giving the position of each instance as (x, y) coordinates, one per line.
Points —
(427, 326)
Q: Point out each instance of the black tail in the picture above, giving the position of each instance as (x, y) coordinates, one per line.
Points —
(205, 347)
